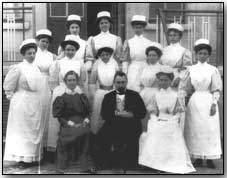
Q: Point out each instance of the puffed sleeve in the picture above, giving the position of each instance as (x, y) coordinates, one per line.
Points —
(118, 50)
(216, 85)
(94, 73)
(83, 76)
(93, 80)
(54, 74)
(152, 107)
(58, 110)
(11, 81)
(186, 60)
(185, 88)
(90, 50)
(125, 56)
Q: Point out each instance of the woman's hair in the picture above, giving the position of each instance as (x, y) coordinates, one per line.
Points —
(203, 46)
(153, 48)
(176, 31)
(107, 18)
(71, 72)
(69, 23)
(121, 74)
(169, 75)
(39, 37)
(26, 47)
(144, 24)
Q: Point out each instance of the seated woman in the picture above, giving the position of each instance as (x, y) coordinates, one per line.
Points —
(72, 110)
(163, 147)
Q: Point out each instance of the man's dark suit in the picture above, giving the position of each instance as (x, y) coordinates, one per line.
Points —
(122, 134)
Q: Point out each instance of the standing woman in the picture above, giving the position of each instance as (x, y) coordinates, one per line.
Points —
(103, 39)
(148, 80)
(175, 55)
(202, 126)
(134, 56)
(57, 73)
(102, 76)
(23, 85)
(43, 60)
(73, 25)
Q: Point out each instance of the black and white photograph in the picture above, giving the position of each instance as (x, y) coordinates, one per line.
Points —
(113, 88)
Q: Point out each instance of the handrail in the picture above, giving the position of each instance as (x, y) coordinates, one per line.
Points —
(160, 11)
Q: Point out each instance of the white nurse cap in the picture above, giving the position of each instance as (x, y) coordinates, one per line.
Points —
(176, 26)
(202, 41)
(138, 18)
(26, 42)
(44, 32)
(103, 14)
(74, 17)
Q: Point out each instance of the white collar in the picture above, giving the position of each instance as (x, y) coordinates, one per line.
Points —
(66, 58)
(175, 44)
(77, 36)
(165, 90)
(105, 33)
(138, 36)
(27, 63)
(70, 92)
(42, 51)
(202, 64)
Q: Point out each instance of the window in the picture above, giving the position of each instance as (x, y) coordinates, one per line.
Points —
(10, 9)
(170, 16)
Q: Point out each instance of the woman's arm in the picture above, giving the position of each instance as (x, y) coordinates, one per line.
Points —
(11, 81)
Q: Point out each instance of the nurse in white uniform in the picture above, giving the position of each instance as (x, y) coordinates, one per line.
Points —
(104, 39)
(133, 55)
(162, 146)
(43, 60)
(23, 86)
(202, 126)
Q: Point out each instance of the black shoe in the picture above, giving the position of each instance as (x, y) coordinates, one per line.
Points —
(198, 163)
(210, 164)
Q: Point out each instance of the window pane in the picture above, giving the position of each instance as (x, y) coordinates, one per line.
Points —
(153, 7)
(58, 9)
(76, 8)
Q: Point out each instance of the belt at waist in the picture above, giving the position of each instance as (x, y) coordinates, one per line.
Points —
(103, 87)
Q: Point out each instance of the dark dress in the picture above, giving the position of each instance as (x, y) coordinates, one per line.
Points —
(121, 135)
(75, 108)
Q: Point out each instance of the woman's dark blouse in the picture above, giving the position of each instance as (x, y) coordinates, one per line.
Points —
(67, 106)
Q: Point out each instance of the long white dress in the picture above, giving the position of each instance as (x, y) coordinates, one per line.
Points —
(202, 131)
(148, 82)
(103, 39)
(163, 147)
(56, 81)
(24, 84)
(134, 54)
(102, 75)
(43, 60)
(177, 57)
